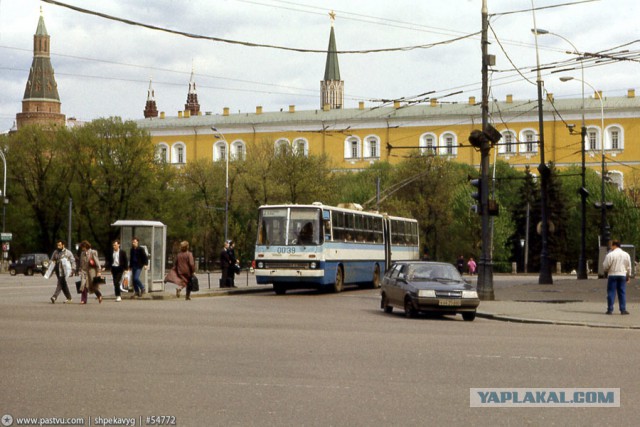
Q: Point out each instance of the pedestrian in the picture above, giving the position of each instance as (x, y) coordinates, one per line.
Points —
(138, 260)
(62, 257)
(118, 263)
(234, 264)
(472, 266)
(225, 263)
(460, 264)
(184, 267)
(617, 264)
(90, 269)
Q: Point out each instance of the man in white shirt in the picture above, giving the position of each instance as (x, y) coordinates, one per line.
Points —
(617, 264)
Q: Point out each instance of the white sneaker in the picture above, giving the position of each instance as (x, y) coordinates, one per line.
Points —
(68, 301)
(118, 299)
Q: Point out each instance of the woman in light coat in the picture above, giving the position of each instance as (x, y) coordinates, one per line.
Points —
(89, 269)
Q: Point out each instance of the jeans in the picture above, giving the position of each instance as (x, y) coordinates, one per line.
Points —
(617, 284)
(138, 287)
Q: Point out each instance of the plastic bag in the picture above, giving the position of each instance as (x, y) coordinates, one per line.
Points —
(124, 282)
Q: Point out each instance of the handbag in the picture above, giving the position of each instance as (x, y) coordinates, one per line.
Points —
(92, 263)
(99, 280)
(78, 285)
(193, 284)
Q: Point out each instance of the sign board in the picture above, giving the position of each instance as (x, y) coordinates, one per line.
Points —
(6, 237)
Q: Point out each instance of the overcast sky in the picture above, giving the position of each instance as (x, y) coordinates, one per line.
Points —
(103, 66)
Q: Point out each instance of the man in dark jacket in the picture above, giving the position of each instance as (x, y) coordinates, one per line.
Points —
(225, 263)
(118, 263)
(137, 261)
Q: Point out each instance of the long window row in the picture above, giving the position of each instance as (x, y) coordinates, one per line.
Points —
(177, 152)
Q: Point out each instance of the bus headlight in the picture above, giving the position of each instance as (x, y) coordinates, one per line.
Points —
(260, 264)
(313, 265)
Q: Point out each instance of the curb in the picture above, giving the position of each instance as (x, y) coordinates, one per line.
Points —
(550, 322)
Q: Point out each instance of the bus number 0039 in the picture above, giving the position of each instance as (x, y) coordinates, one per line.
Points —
(286, 250)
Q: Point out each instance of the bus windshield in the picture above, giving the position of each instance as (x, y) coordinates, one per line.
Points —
(289, 226)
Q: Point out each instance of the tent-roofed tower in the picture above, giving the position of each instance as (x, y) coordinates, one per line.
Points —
(332, 88)
(41, 102)
(150, 108)
(192, 104)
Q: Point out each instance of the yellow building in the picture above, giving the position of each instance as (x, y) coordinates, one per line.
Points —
(354, 138)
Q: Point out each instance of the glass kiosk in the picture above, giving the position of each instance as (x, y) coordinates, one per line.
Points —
(152, 236)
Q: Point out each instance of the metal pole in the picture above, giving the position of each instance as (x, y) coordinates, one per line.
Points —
(4, 190)
(526, 239)
(226, 197)
(485, 263)
(545, 268)
(69, 227)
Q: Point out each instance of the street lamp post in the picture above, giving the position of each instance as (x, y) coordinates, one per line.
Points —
(582, 260)
(604, 226)
(544, 277)
(4, 190)
(217, 134)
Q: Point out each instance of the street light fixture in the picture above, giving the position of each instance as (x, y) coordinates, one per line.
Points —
(218, 135)
(582, 261)
(604, 227)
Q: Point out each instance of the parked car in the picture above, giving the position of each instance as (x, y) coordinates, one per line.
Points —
(29, 264)
(436, 287)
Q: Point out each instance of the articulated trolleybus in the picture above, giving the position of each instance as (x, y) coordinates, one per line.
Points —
(326, 247)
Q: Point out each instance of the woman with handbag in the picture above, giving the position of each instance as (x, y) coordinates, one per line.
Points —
(90, 276)
(183, 270)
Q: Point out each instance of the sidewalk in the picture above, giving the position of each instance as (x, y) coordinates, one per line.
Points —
(518, 298)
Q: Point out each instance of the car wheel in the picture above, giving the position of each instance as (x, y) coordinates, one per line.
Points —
(409, 310)
(469, 316)
(384, 304)
(29, 272)
(339, 283)
(12, 271)
(279, 289)
(375, 283)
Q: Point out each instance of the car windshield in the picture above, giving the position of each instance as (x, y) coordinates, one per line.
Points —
(433, 272)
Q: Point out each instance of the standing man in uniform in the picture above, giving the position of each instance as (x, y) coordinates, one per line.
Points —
(617, 264)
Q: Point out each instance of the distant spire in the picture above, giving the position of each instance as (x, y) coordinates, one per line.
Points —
(150, 108)
(332, 88)
(192, 104)
(41, 102)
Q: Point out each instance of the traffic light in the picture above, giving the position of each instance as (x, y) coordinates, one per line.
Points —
(489, 136)
(477, 195)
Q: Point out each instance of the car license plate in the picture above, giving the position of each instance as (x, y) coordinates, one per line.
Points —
(449, 302)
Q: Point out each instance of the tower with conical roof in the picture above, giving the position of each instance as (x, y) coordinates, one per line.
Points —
(41, 102)
(332, 88)
(192, 104)
(150, 108)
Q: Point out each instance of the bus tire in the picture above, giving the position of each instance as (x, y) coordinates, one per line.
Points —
(375, 283)
(279, 289)
(339, 283)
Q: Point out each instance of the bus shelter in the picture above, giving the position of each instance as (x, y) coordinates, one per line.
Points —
(152, 236)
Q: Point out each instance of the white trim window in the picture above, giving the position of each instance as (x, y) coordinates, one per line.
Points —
(593, 138)
(528, 141)
(615, 138)
(301, 147)
(179, 153)
(508, 143)
(282, 147)
(428, 143)
(448, 144)
(162, 153)
(352, 148)
(238, 150)
(372, 147)
(220, 151)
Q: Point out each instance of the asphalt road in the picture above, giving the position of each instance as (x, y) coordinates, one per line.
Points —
(305, 358)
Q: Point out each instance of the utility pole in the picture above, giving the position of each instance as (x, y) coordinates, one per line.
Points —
(545, 268)
(485, 263)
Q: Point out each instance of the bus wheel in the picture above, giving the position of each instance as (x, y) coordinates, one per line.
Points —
(337, 286)
(375, 283)
(279, 288)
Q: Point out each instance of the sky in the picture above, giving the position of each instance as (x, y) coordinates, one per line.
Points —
(103, 66)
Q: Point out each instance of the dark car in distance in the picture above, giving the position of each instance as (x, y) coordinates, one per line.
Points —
(430, 287)
(29, 264)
